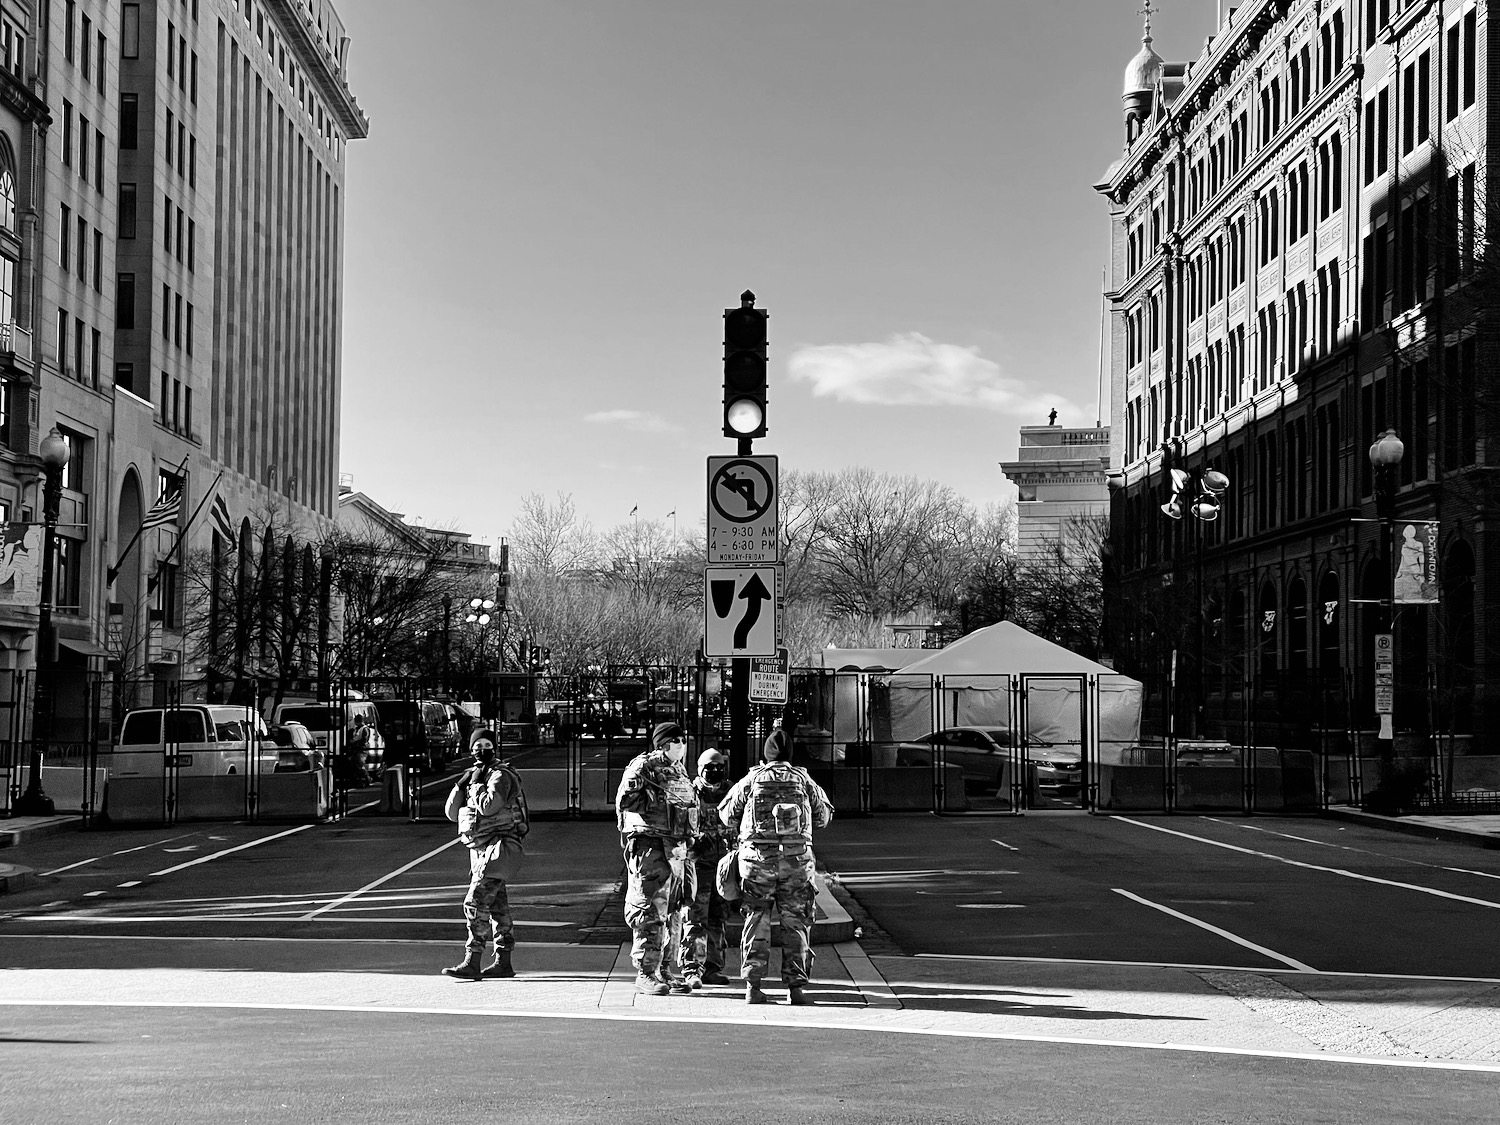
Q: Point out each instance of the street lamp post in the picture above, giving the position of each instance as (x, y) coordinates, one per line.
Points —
(479, 614)
(54, 455)
(447, 643)
(325, 615)
(1197, 494)
(1385, 455)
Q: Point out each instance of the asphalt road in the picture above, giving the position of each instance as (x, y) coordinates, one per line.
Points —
(1257, 892)
(379, 895)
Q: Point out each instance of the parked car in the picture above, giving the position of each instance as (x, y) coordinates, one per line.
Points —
(330, 725)
(196, 738)
(668, 702)
(982, 752)
(295, 748)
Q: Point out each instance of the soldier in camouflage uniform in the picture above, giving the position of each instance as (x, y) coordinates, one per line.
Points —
(656, 811)
(490, 808)
(705, 916)
(775, 808)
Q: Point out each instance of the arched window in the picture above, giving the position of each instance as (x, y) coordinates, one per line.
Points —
(1327, 616)
(1296, 626)
(1265, 629)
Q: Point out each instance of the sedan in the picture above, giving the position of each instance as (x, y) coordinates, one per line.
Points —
(983, 753)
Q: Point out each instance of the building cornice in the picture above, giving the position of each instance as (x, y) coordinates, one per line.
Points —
(318, 62)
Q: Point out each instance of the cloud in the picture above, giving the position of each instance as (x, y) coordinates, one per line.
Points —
(911, 370)
(637, 420)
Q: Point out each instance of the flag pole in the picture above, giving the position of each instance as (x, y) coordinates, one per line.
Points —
(113, 572)
(182, 535)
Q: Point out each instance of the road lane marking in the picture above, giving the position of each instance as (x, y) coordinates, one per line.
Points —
(812, 1019)
(122, 851)
(1273, 832)
(1195, 968)
(132, 883)
(1315, 866)
(383, 879)
(221, 939)
(1003, 844)
(1262, 950)
(1387, 857)
(990, 906)
(122, 919)
(230, 851)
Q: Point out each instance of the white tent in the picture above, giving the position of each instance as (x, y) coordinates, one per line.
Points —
(968, 684)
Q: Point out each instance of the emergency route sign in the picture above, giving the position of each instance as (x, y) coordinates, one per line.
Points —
(769, 677)
(744, 526)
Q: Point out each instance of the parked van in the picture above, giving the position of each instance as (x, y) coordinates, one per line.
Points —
(419, 731)
(196, 738)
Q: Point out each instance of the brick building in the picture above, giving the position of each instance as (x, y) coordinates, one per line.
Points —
(1299, 263)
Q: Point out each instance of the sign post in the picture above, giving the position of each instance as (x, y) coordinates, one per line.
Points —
(1385, 681)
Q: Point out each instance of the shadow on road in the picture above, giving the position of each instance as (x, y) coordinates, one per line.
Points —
(998, 1002)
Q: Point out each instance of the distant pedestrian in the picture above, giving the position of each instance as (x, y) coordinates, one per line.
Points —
(489, 807)
(775, 808)
(356, 753)
(656, 811)
(703, 939)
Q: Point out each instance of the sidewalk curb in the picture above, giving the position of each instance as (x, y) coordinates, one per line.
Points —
(1414, 827)
(13, 877)
(13, 834)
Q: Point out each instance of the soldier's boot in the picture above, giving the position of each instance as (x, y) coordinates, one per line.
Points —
(797, 997)
(502, 966)
(648, 985)
(694, 981)
(467, 969)
(713, 976)
(754, 995)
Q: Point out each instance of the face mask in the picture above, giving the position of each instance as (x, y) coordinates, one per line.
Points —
(482, 751)
(677, 751)
(713, 775)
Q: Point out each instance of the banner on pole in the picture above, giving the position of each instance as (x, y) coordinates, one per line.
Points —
(21, 565)
(1416, 580)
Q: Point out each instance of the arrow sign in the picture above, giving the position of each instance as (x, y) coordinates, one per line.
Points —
(739, 611)
(753, 594)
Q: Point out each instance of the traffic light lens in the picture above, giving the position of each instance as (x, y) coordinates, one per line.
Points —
(745, 328)
(745, 371)
(744, 416)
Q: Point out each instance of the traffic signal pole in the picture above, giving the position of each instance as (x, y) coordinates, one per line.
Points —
(740, 755)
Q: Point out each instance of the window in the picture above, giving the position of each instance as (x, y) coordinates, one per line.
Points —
(65, 235)
(181, 145)
(67, 136)
(193, 81)
(125, 376)
(99, 261)
(1424, 96)
(171, 36)
(170, 133)
(69, 11)
(166, 312)
(181, 63)
(165, 602)
(1330, 176)
(190, 328)
(94, 359)
(177, 321)
(166, 224)
(130, 110)
(179, 234)
(101, 69)
(83, 251)
(62, 340)
(192, 162)
(125, 301)
(85, 45)
(78, 327)
(65, 583)
(1470, 58)
(1408, 109)
(125, 213)
(192, 233)
(1383, 128)
(83, 148)
(130, 31)
(1297, 203)
(99, 161)
(1333, 46)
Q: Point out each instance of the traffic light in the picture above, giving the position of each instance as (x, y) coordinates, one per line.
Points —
(745, 369)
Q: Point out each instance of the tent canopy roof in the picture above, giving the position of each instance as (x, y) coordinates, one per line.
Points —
(871, 659)
(1004, 649)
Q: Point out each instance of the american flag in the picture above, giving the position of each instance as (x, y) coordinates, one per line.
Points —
(165, 511)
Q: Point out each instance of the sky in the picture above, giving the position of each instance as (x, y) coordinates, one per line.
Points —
(559, 198)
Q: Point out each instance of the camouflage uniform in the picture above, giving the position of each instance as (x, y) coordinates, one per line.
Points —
(655, 811)
(705, 916)
(492, 818)
(775, 808)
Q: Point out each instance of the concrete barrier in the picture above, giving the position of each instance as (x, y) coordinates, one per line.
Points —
(135, 800)
(1131, 787)
(68, 785)
(299, 795)
(1211, 786)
